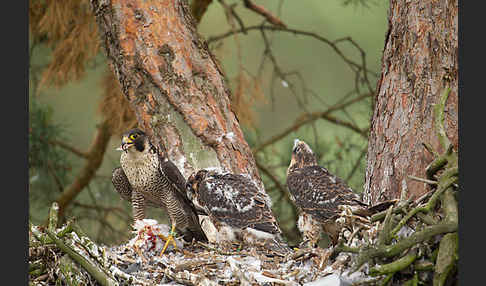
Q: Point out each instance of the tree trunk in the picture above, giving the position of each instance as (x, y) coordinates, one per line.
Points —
(419, 62)
(174, 84)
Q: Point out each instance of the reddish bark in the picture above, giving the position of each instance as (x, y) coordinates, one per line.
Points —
(166, 71)
(419, 62)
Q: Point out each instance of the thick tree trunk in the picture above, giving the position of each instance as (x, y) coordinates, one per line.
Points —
(173, 83)
(419, 63)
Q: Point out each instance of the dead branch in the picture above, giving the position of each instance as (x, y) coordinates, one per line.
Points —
(198, 8)
(95, 157)
(70, 148)
(301, 123)
(264, 12)
(330, 43)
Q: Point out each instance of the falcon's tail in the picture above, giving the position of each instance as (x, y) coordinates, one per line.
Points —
(195, 231)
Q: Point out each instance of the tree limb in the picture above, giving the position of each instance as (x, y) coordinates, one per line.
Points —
(93, 162)
(315, 116)
(264, 12)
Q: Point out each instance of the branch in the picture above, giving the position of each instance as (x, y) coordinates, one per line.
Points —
(394, 266)
(439, 119)
(264, 12)
(97, 273)
(315, 116)
(356, 165)
(93, 162)
(70, 148)
(332, 44)
(272, 177)
(395, 249)
(198, 8)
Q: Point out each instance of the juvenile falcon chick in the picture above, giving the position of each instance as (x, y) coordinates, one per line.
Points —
(317, 194)
(148, 179)
(238, 209)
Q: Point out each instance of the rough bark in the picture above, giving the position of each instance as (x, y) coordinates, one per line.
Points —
(419, 62)
(174, 84)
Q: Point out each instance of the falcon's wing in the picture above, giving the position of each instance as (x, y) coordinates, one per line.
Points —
(178, 182)
(235, 200)
(123, 187)
(121, 184)
(318, 192)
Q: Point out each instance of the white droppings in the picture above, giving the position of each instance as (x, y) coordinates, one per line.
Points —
(230, 135)
(259, 234)
(332, 179)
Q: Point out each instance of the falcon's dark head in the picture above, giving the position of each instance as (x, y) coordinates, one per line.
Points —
(302, 155)
(133, 138)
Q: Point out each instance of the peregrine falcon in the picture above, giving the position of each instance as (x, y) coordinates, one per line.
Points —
(317, 194)
(148, 179)
(237, 208)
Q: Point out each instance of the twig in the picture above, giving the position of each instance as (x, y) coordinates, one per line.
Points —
(356, 164)
(430, 182)
(446, 258)
(299, 124)
(70, 148)
(394, 266)
(295, 32)
(397, 209)
(54, 176)
(97, 273)
(53, 217)
(443, 186)
(214, 249)
(264, 12)
(384, 235)
(97, 150)
(439, 119)
(395, 249)
(275, 180)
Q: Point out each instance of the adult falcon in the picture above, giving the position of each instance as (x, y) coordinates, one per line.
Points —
(317, 194)
(148, 179)
(237, 208)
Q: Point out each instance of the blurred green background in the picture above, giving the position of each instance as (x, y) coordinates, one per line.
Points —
(73, 108)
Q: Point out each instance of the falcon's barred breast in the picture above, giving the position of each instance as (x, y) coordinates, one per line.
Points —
(233, 203)
(148, 179)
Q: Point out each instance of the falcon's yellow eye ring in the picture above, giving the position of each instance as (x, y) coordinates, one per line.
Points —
(133, 136)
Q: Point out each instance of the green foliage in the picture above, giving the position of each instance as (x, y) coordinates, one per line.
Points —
(42, 131)
(48, 164)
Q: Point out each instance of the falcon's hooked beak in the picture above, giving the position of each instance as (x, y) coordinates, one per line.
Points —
(126, 143)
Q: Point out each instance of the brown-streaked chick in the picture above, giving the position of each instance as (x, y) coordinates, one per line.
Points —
(317, 194)
(148, 179)
(236, 207)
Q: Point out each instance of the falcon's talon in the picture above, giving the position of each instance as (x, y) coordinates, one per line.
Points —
(170, 238)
